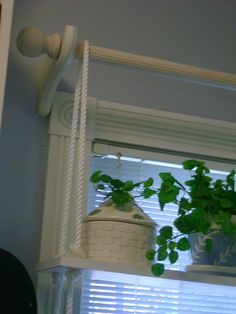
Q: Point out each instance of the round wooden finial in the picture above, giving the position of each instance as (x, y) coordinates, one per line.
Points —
(31, 42)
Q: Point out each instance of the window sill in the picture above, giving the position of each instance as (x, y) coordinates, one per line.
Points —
(118, 271)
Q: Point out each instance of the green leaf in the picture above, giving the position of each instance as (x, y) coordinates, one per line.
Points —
(166, 232)
(208, 245)
(95, 177)
(172, 245)
(222, 217)
(227, 227)
(190, 164)
(168, 193)
(116, 183)
(160, 240)
(100, 187)
(198, 164)
(183, 244)
(128, 186)
(167, 177)
(150, 254)
(230, 179)
(234, 229)
(147, 192)
(120, 198)
(184, 203)
(206, 179)
(162, 254)
(105, 178)
(185, 224)
(190, 183)
(204, 226)
(226, 203)
(173, 256)
(148, 182)
(158, 269)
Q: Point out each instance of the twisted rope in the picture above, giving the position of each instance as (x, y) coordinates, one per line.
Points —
(82, 149)
(62, 247)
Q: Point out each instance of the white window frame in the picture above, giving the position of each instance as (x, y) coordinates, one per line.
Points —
(111, 125)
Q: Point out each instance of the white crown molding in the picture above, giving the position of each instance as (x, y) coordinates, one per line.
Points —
(119, 123)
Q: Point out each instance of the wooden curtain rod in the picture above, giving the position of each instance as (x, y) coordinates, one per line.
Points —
(32, 42)
(200, 75)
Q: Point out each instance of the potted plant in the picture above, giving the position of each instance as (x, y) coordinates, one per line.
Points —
(118, 230)
(205, 220)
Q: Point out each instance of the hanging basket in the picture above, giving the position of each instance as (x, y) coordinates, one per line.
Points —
(118, 234)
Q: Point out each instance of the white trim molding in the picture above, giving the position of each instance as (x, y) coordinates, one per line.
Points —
(150, 128)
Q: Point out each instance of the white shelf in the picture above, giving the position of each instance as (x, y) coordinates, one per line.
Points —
(130, 273)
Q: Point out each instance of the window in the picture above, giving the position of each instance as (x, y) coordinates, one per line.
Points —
(101, 294)
(152, 141)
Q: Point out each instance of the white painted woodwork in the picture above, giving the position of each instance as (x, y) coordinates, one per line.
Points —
(120, 272)
(32, 42)
(127, 272)
(55, 182)
(58, 282)
(112, 123)
(148, 128)
(164, 130)
(192, 73)
(53, 70)
(5, 34)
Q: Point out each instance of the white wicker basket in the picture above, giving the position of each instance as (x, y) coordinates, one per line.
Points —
(118, 235)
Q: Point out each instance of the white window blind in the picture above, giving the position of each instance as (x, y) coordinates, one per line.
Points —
(100, 295)
(166, 297)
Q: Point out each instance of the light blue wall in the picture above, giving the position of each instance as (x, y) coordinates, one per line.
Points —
(200, 33)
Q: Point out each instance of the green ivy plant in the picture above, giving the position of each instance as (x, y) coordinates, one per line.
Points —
(121, 192)
(201, 203)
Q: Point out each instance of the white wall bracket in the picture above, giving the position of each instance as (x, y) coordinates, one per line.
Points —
(31, 42)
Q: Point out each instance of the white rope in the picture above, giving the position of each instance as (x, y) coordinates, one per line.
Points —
(63, 232)
(82, 150)
(79, 113)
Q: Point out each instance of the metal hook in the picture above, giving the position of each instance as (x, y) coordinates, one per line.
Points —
(118, 164)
